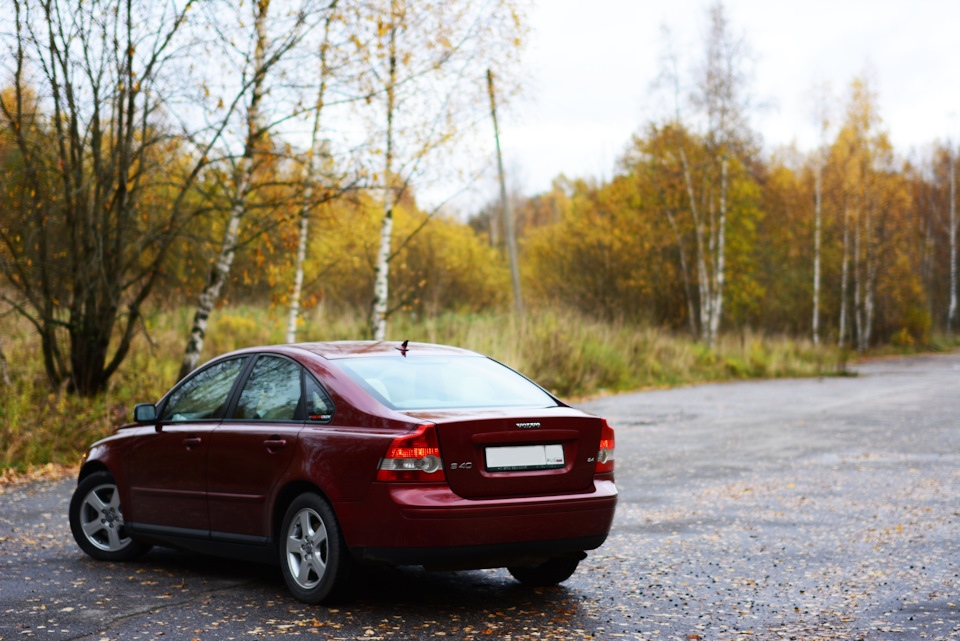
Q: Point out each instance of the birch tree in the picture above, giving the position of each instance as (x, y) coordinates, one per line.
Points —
(720, 102)
(941, 187)
(821, 116)
(426, 88)
(722, 99)
(314, 161)
(257, 64)
(381, 281)
(844, 272)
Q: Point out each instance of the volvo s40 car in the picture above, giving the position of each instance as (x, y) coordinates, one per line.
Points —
(323, 455)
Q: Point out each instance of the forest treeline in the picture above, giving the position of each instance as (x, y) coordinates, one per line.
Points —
(130, 181)
(880, 230)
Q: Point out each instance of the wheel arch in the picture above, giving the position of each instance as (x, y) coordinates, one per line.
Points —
(92, 467)
(285, 497)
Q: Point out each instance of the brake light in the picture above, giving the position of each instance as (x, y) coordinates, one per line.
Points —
(415, 457)
(605, 455)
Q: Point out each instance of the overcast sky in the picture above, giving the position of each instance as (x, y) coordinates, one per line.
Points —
(591, 66)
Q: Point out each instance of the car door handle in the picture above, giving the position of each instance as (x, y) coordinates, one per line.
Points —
(275, 444)
(192, 442)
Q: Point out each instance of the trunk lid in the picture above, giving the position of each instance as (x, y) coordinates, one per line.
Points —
(494, 453)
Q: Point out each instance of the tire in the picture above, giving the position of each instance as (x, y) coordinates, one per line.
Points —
(97, 522)
(313, 555)
(550, 572)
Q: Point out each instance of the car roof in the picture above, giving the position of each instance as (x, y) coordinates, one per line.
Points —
(353, 349)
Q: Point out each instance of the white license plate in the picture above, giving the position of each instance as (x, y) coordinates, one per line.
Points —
(524, 457)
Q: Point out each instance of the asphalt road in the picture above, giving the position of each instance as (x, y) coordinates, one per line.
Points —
(789, 509)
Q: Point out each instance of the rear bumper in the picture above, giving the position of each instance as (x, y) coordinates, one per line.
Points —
(472, 557)
(406, 524)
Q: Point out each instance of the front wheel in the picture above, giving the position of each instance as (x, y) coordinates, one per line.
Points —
(550, 572)
(97, 521)
(314, 555)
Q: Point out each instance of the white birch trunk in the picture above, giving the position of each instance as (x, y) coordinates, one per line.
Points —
(818, 215)
(381, 284)
(294, 315)
(929, 261)
(706, 301)
(822, 118)
(857, 285)
(221, 269)
(381, 281)
(218, 276)
(868, 309)
(720, 260)
(844, 277)
(702, 275)
(296, 292)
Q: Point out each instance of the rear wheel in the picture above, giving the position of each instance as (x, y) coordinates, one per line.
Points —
(314, 555)
(97, 521)
(550, 572)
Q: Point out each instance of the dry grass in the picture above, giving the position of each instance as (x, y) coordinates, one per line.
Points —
(12, 476)
(568, 353)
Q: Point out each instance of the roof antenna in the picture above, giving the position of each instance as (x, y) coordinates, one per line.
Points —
(403, 348)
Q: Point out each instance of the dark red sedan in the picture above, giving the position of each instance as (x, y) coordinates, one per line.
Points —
(324, 455)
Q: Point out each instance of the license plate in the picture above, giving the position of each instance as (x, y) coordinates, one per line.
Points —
(524, 457)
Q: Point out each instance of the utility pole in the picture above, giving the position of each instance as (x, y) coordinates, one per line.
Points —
(952, 311)
(508, 228)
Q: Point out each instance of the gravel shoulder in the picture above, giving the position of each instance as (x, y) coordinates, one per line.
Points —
(816, 508)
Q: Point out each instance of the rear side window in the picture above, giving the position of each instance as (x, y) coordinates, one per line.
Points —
(319, 405)
(271, 392)
(203, 395)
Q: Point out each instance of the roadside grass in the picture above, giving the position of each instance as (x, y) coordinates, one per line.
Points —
(568, 353)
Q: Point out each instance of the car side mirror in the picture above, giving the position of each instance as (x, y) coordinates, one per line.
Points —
(145, 413)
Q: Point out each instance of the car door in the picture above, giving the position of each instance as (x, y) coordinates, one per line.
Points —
(252, 447)
(167, 469)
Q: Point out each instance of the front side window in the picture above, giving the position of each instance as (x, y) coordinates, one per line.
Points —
(272, 392)
(203, 395)
(443, 382)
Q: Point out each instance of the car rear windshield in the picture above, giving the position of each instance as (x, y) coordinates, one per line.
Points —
(443, 382)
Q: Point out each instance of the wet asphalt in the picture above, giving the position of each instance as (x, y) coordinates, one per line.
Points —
(786, 509)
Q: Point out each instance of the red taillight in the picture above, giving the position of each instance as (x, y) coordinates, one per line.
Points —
(605, 455)
(415, 457)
